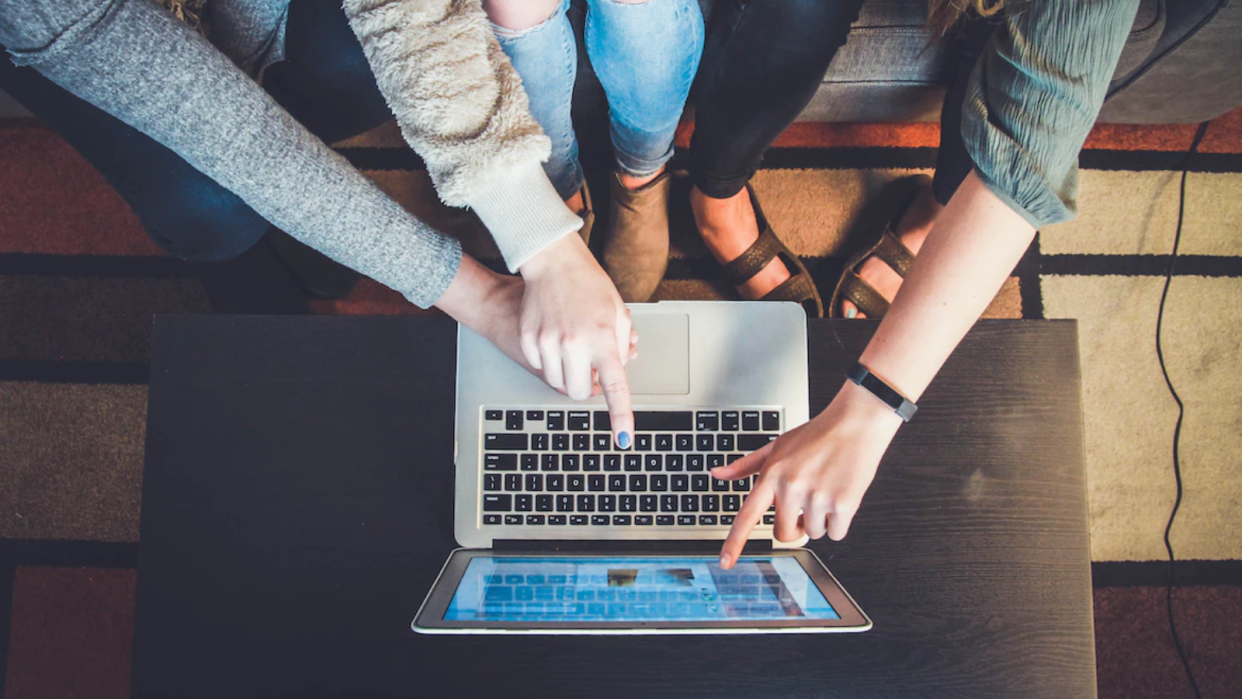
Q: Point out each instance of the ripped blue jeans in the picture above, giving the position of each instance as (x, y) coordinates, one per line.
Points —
(645, 55)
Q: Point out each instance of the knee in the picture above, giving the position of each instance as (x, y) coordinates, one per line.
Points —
(516, 16)
(204, 224)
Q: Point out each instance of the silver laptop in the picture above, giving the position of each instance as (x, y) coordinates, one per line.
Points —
(564, 532)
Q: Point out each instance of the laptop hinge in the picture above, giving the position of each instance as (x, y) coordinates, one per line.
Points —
(702, 546)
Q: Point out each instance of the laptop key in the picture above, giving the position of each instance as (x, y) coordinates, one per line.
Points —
(719, 485)
(705, 442)
(595, 482)
(524, 502)
(493, 414)
(534, 482)
(771, 421)
(513, 481)
(564, 503)
(494, 502)
(642, 442)
(663, 421)
(491, 519)
(733, 457)
(612, 462)
(579, 421)
(659, 483)
(732, 503)
(616, 482)
(600, 520)
(556, 519)
(707, 421)
(689, 503)
(590, 462)
(707, 520)
(535, 519)
(582, 442)
(684, 442)
(601, 442)
(539, 442)
(643, 520)
(668, 503)
(555, 482)
(569, 462)
(638, 483)
(633, 462)
(752, 442)
(673, 462)
(679, 482)
(513, 520)
(686, 520)
(556, 420)
(575, 482)
(543, 503)
(724, 442)
(699, 482)
(622, 520)
(769, 519)
(694, 462)
(602, 420)
(627, 503)
(500, 462)
(711, 503)
(513, 420)
(729, 420)
(534, 415)
(491, 481)
(530, 462)
(586, 503)
(727, 519)
(664, 442)
(750, 420)
(560, 441)
(653, 462)
(550, 462)
(647, 503)
(665, 520)
(607, 503)
(579, 520)
(504, 442)
(715, 461)
(742, 485)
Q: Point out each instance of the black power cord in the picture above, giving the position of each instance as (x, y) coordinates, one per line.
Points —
(1181, 411)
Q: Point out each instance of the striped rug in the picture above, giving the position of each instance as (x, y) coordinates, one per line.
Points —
(79, 282)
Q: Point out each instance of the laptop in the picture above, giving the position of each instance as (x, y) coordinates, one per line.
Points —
(563, 532)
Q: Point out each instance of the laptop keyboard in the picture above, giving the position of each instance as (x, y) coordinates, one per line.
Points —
(560, 467)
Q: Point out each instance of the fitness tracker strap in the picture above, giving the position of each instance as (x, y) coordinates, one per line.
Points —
(862, 376)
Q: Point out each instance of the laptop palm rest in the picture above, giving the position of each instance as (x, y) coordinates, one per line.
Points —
(662, 366)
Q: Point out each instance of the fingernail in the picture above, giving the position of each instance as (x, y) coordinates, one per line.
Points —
(851, 312)
(724, 560)
(623, 440)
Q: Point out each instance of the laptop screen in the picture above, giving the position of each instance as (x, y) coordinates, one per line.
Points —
(636, 589)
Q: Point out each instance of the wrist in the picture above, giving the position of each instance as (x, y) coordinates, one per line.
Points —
(467, 297)
(869, 409)
(553, 259)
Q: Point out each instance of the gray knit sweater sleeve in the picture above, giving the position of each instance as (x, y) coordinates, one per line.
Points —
(134, 61)
(1034, 96)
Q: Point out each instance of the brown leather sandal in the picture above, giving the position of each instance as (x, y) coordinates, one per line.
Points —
(799, 288)
(878, 221)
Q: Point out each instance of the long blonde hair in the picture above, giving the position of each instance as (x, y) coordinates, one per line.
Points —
(942, 15)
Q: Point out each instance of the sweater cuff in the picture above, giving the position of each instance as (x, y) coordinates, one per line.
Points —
(523, 212)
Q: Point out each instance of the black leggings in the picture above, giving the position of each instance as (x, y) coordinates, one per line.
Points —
(763, 62)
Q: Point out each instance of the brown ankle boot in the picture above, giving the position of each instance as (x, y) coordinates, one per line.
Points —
(636, 246)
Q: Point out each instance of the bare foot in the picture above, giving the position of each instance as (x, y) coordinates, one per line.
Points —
(729, 229)
(577, 203)
(912, 230)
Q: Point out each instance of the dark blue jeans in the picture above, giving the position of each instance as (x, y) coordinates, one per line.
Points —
(325, 83)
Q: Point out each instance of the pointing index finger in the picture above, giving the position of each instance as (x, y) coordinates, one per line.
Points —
(616, 388)
(752, 511)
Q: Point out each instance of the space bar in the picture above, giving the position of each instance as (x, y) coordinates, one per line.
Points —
(657, 420)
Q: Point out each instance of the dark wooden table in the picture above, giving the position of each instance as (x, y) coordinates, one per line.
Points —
(297, 506)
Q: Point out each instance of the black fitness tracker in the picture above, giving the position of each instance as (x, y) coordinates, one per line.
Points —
(862, 376)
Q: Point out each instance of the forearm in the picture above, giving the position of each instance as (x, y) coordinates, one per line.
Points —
(155, 74)
(969, 253)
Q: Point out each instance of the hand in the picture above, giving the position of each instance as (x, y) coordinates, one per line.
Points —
(816, 473)
(575, 328)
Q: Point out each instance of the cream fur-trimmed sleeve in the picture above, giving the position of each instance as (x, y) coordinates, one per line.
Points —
(461, 106)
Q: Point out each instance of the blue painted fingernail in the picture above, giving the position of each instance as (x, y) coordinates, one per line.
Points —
(851, 312)
(623, 440)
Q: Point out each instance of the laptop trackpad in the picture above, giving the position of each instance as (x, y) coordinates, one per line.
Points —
(663, 362)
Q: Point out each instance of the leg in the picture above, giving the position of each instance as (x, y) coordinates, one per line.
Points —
(646, 54)
(953, 164)
(762, 64)
(537, 38)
